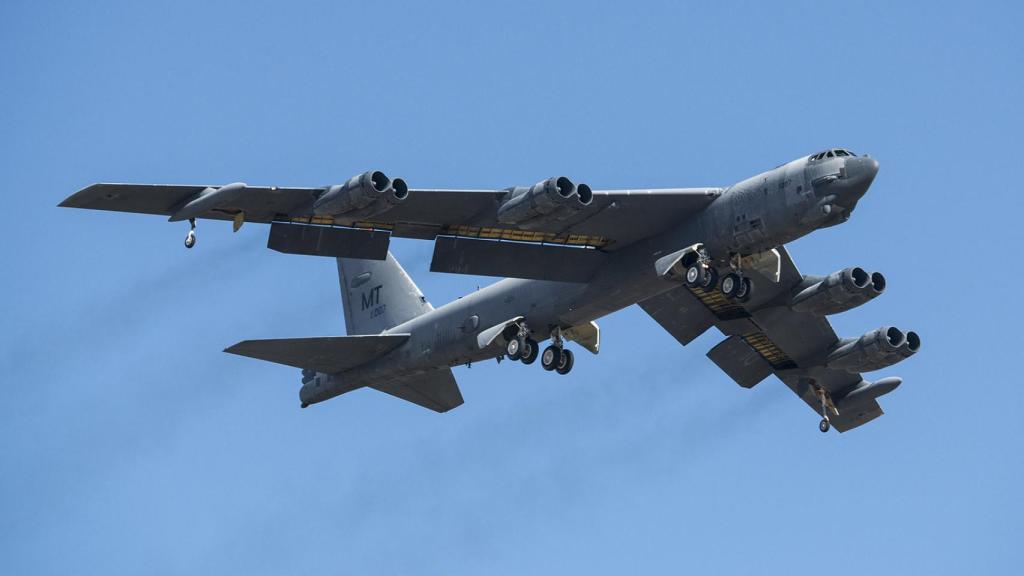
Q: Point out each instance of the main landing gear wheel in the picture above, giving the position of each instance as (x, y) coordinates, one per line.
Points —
(731, 284)
(824, 425)
(695, 275)
(530, 351)
(513, 349)
(744, 290)
(552, 357)
(565, 362)
(710, 280)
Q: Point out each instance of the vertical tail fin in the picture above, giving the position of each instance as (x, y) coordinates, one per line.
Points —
(377, 295)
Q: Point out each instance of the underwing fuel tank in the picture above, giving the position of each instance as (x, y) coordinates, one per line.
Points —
(866, 391)
(209, 199)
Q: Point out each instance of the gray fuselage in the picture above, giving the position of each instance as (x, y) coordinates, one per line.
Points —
(754, 215)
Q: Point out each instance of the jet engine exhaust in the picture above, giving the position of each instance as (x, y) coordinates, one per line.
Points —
(367, 194)
(838, 292)
(873, 351)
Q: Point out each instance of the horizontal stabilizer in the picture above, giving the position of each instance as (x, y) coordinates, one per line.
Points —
(329, 241)
(436, 390)
(515, 259)
(329, 355)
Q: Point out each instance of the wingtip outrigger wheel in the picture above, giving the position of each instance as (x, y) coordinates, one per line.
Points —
(826, 404)
(190, 239)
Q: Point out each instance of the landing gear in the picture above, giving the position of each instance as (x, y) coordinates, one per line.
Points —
(530, 350)
(190, 239)
(737, 287)
(565, 362)
(826, 406)
(744, 291)
(731, 284)
(513, 349)
(552, 357)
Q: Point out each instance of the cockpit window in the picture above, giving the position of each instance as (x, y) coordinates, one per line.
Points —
(830, 154)
(841, 153)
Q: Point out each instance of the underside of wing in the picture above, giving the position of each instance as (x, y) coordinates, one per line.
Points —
(552, 214)
(774, 333)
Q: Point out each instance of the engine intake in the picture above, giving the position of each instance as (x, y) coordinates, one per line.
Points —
(838, 292)
(873, 351)
(365, 195)
(551, 200)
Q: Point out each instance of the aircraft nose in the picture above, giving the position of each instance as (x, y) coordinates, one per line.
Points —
(860, 173)
(862, 169)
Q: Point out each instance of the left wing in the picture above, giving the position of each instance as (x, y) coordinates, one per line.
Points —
(609, 219)
(768, 336)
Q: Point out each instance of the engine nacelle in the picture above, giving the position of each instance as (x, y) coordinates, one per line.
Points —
(553, 199)
(838, 292)
(873, 351)
(367, 194)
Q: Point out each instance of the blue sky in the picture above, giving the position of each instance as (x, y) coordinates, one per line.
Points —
(130, 444)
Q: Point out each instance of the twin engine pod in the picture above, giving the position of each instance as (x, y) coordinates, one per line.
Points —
(873, 351)
(838, 292)
(550, 200)
(365, 195)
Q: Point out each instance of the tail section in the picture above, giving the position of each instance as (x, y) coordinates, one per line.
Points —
(377, 295)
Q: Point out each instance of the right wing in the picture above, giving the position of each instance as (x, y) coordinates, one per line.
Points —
(765, 337)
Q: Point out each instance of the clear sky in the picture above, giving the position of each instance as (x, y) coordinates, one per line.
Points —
(130, 444)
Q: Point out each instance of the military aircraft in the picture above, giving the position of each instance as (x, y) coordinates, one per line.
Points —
(692, 258)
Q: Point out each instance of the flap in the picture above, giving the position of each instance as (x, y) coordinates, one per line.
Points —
(329, 241)
(515, 259)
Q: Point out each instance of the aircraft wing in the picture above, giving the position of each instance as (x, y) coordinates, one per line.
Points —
(764, 337)
(614, 218)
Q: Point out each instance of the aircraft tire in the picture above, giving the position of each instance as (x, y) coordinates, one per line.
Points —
(513, 349)
(190, 239)
(710, 280)
(530, 351)
(566, 362)
(551, 358)
(824, 425)
(731, 284)
(694, 276)
(745, 289)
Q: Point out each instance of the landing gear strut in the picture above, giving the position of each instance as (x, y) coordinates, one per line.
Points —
(826, 406)
(190, 239)
(735, 285)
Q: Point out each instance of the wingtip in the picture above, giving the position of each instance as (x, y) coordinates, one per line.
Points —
(70, 202)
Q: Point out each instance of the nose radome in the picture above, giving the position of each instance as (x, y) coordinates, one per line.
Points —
(863, 168)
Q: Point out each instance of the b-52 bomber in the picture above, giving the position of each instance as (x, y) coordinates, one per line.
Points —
(691, 258)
